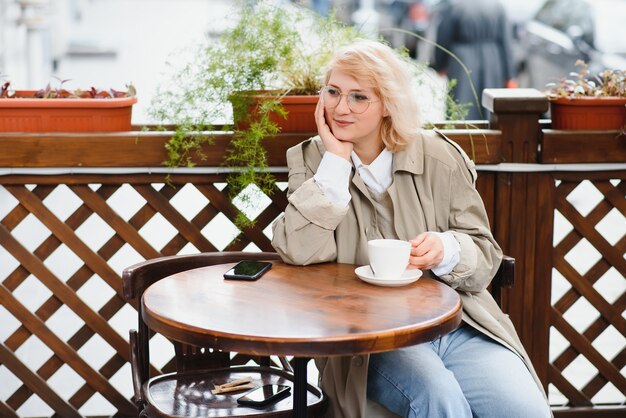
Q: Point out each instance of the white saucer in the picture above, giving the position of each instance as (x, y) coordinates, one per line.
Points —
(409, 276)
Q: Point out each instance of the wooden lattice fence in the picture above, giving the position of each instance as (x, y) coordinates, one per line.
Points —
(588, 289)
(96, 196)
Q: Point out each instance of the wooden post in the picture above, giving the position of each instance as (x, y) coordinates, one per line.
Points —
(523, 218)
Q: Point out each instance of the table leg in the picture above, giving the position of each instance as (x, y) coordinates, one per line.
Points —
(299, 387)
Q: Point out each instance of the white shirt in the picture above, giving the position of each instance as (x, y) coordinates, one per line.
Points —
(333, 177)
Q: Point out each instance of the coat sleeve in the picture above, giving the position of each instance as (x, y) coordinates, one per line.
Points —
(305, 233)
(467, 220)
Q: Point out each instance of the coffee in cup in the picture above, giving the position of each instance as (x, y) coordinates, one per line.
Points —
(388, 257)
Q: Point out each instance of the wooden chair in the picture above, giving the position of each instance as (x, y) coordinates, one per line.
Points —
(504, 278)
(187, 391)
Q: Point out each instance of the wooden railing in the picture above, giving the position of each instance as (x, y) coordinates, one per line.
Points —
(76, 209)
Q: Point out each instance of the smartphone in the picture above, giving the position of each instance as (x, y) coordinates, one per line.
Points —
(265, 395)
(248, 270)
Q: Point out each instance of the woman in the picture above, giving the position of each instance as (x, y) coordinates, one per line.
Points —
(371, 173)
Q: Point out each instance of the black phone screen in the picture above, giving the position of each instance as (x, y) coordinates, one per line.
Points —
(264, 395)
(248, 270)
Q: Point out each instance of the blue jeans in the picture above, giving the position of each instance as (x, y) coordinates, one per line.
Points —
(463, 374)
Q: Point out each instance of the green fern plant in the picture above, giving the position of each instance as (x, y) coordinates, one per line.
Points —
(277, 50)
(272, 49)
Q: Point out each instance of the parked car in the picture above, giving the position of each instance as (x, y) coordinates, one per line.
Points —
(563, 31)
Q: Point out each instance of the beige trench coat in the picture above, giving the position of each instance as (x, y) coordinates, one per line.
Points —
(432, 190)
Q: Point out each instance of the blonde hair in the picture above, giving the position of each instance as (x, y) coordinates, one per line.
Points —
(387, 73)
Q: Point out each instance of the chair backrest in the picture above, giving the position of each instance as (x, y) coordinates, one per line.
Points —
(137, 278)
(505, 277)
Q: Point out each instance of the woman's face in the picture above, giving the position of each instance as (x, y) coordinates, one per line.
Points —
(361, 129)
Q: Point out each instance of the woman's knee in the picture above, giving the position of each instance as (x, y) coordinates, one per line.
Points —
(522, 406)
(432, 394)
(517, 398)
(409, 375)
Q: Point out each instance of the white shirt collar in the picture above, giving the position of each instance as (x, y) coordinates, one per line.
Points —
(378, 174)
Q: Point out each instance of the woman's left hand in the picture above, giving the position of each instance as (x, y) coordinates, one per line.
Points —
(426, 251)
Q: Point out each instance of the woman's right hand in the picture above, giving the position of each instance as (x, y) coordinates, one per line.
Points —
(331, 143)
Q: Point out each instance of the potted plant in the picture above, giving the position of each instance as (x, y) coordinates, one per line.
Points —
(63, 110)
(247, 80)
(273, 55)
(589, 102)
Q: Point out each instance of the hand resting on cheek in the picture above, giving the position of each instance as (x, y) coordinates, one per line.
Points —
(331, 143)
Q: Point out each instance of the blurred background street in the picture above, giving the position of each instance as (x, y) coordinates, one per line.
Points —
(112, 43)
(102, 43)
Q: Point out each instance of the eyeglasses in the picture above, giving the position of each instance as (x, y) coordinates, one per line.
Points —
(357, 102)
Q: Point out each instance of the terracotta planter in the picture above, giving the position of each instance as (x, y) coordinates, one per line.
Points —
(27, 114)
(589, 113)
(300, 114)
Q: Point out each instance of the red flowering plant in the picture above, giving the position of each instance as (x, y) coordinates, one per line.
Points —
(49, 92)
(608, 83)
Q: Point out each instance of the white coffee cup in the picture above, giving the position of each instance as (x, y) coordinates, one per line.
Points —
(388, 257)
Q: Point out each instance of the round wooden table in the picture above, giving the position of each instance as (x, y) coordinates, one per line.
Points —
(313, 311)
